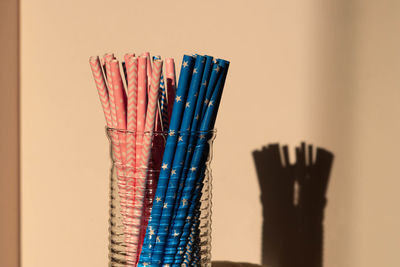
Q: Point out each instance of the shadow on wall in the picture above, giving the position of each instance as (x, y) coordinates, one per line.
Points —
(293, 198)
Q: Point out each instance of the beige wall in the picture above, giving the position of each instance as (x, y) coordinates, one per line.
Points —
(9, 134)
(320, 71)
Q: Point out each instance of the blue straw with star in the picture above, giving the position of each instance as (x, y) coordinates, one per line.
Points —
(178, 163)
(154, 221)
(213, 81)
(195, 123)
(185, 246)
(201, 151)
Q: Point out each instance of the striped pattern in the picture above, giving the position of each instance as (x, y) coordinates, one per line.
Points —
(131, 67)
(147, 139)
(107, 60)
(101, 88)
(119, 94)
(163, 104)
(141, 106)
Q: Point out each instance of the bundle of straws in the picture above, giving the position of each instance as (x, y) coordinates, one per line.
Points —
(135, 98)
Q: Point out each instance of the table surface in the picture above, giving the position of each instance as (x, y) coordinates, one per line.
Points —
(233, 264)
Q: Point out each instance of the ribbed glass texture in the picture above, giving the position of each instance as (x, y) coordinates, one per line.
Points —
(136, 165)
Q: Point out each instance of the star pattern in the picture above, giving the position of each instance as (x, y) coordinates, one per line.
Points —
(157, 231)
(151, 233)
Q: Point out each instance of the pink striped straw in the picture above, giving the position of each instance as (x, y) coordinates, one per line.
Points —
(120, 104)
(171, 84)
(149, 67)
(107, 100)
(118, 98)
(132, 237)
(127, 56)
(141, 106)
(147, 142)
(115, 138)
(131, 224)
(132, 72)
(107, 60)
(101, 88)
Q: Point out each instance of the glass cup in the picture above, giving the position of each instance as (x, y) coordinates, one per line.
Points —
(136, 165)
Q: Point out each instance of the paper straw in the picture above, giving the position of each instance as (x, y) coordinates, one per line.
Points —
(132, 74)
(126, 59)
(178, 164)
(193, 138)
(148, 67)
(148, 137)
(188, 232)
(116, 148)
(158, 125)
(101, 88)
(141, 106)
(119, 94)
(119, 97)
(207, 88)
(213, 80)
(107, 60)
(199, 156)
(163, 103)
(196, 119)
(171, 85)
(129, 221)
(158, 203)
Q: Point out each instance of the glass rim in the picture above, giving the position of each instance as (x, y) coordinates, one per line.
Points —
(111, 129)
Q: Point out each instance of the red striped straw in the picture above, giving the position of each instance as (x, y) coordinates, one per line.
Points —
(107, 60)
(107, 101)
(132, 235)
(119, 94)
(147, 142)
(127, 56)
(149, 67)
(141, 106)
(171, 85)
(101, 88)
(132, 73)
(119, 100)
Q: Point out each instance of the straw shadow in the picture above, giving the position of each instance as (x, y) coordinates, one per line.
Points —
(293, 198)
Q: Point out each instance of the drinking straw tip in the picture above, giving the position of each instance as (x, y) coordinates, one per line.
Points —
(93, 58)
